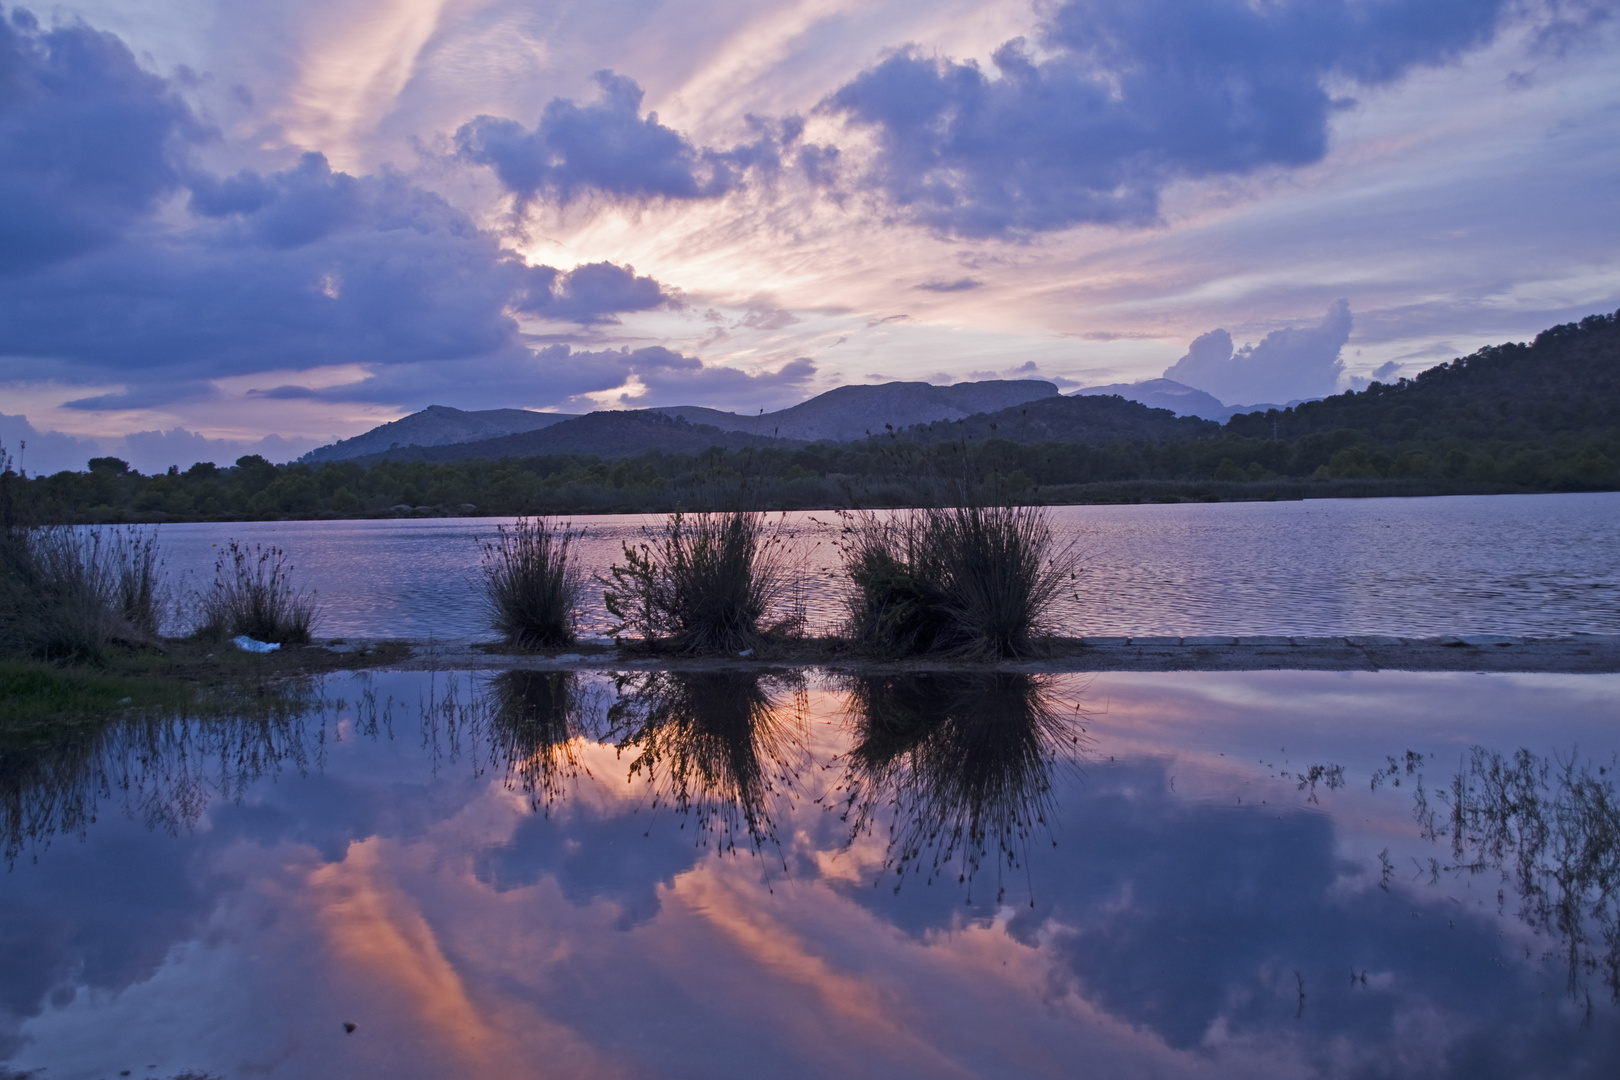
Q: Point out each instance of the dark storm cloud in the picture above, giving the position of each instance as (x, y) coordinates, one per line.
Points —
(86, 141)
(608, 147)
(1131, 96)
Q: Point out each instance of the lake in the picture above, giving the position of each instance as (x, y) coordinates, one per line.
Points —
(1522, 565)
(719, 875)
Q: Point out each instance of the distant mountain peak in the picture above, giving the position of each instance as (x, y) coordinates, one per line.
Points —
(437, 425)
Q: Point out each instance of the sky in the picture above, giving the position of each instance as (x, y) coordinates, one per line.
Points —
(231, 228)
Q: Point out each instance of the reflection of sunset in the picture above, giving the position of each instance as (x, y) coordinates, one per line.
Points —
(385, 945)
(854, 1006)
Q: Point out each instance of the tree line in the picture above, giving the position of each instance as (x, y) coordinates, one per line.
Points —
(1510, 418)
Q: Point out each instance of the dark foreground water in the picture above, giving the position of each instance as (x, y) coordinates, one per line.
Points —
(543, 875)
(1523, 565)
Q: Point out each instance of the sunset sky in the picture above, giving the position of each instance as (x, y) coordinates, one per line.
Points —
(226, 221)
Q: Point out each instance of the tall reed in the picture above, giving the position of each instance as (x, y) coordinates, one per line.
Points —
(252, 595)
(532, 587)
(705, 583)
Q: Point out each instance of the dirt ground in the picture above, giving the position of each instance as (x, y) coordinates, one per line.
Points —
(1583, 654)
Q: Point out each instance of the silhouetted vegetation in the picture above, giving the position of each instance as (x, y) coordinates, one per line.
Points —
(1510, 418)
(978, 577)
(960, 766)
(68, 593)
(704, 583)
(716, 747)
(252, 594)
(532, 588)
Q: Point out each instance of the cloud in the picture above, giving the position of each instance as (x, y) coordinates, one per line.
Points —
(50, 452)
(1286, 366)
(46, 452)
(591, 293)
(608, 147)
(563, 375)
(959, 285)
(86, 141)
(1128, 97)
(155, 451)
(109, 279)
(722, 387)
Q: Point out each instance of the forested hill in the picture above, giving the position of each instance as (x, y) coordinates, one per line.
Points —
(609, 434)
(1095, 420)
(1565, 383)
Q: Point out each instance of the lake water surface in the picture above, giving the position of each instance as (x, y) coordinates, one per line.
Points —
(553, 875)
(1526, 565)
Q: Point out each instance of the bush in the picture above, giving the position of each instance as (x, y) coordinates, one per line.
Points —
(970, 579)
(704, 583)
(252, 595)
(532, 588)
(69, 593)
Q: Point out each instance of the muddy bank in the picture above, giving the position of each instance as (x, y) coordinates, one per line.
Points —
(1584, 654)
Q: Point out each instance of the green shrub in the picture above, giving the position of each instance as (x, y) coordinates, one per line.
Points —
(532, 588)
(704, 583)
(252, 595)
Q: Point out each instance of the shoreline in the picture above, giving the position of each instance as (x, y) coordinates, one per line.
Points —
(1583, 654)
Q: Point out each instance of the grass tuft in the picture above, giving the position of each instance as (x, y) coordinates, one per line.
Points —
(972, 579)
(253, 595)
(705, 583)
(532, 588)
(68, 593)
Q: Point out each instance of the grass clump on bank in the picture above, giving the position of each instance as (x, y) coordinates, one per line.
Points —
(70, 593)
(531, 586)
(973, 579)
(252, 595)
(705, 583)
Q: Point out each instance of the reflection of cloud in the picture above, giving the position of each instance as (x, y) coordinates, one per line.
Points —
(374, 927)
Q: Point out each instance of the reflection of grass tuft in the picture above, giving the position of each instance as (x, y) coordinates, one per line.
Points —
(960, 764)
(536, 724)
(718, 747)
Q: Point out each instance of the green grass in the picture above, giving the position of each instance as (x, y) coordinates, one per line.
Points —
(36, 693)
